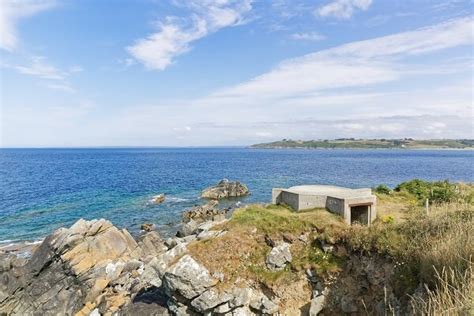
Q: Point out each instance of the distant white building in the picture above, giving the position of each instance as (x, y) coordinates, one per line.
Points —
(354, 205)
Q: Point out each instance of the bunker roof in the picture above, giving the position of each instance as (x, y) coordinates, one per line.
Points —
(330, 190)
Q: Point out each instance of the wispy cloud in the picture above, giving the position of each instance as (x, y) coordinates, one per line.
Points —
(355, 64)
(13, 10)
(52, 76)
(40, 68)
(342, 9)
(175, 35)
(308, 36)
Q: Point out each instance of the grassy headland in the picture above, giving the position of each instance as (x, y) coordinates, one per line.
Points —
(429, 256)
(406, 143)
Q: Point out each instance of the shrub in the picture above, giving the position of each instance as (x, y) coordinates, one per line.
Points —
(436, 192)
(382, 189)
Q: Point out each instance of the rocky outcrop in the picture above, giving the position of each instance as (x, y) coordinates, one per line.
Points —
(92, 265)
(202, 213)
(225, 189)
(279, 256)
(201, 218)
(94, 268)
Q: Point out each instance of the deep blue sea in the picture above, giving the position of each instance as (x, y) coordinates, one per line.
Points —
(43, 189)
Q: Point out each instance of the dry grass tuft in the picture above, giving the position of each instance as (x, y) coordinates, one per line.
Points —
(453, 294)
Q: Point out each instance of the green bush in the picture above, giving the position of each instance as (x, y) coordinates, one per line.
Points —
(382, 189)
(436, 192)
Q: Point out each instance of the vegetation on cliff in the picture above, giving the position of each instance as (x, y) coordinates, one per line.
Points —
(407, 143)
(421, 262)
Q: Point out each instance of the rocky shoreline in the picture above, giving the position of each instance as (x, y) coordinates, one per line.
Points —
(94, 268)
(263, 260)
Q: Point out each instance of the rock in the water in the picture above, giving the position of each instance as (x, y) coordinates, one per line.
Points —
(158, 199)
(279, 256)
(188, 278)
(225, 189)
(203, 213)
(148, 227)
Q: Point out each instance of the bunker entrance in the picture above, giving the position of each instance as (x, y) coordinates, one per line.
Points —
(360, 214)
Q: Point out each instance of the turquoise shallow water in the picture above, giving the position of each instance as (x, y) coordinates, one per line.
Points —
(43, 189)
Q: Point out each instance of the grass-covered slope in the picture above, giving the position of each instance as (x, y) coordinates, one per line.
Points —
(430, 256)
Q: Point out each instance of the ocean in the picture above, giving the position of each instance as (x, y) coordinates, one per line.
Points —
(44, 189)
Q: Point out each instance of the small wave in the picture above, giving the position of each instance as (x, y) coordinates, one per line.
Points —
(36, 242)
(7, 241)
(178, 199)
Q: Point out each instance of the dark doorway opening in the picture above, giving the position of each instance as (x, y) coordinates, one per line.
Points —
(360, 214)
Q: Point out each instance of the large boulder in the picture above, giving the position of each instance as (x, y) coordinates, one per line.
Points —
(73, 271)
(279, 256)
(225, 189)
(188, 278)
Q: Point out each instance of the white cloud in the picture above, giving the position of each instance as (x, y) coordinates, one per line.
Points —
(40, 68)
(342, 9)
(308, 36)
(13, 10)
(54, 77)
(356, 64)
(174, 36)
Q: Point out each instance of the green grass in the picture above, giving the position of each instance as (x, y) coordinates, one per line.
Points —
(275, 219)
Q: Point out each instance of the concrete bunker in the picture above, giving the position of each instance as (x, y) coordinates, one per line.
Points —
(360, 214)
(354, 205)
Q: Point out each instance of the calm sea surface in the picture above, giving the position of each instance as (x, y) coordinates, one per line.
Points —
(43, 189)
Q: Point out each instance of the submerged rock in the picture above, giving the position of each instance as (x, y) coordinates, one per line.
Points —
(158, 199)
(225, 189)
(147, 227)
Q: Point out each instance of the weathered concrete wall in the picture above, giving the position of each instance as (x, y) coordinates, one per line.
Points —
(276, 195)
(335, 205)
(290, 199)
(307, 202)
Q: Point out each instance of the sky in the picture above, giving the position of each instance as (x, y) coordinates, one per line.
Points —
(231, 73)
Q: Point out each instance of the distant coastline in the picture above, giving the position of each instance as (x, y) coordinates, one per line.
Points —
(352, 143)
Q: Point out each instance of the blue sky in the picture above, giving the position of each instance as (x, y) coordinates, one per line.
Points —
(221, 72)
